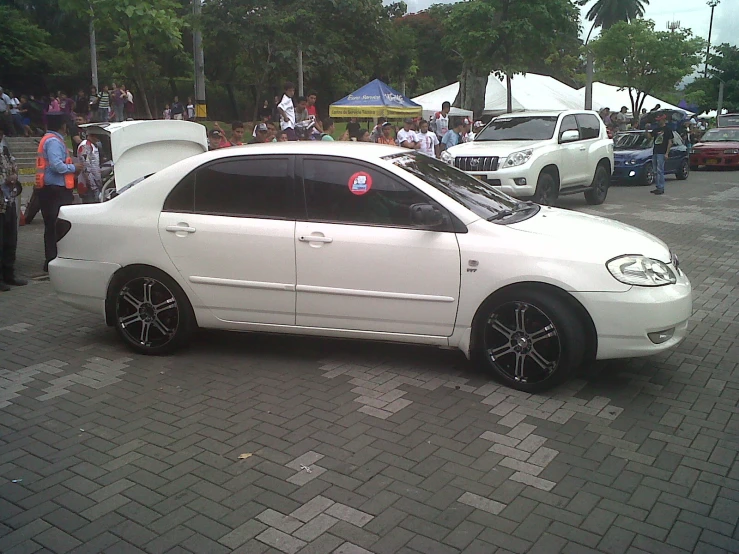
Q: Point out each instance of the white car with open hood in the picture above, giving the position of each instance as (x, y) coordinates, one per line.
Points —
(364, 241)
(540, 155)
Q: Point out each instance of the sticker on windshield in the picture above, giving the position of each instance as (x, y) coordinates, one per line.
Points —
(360, 183)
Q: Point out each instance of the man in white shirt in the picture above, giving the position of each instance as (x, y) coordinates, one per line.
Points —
(441, 120)
(407, 136)
(286, 108)
(428, 141)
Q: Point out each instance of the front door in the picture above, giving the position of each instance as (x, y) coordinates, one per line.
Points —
(574, 156)
(229, 229)
(361, 262)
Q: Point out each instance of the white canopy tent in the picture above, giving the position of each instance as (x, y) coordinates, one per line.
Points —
(530, 92)
(712, 114)
(610, 96)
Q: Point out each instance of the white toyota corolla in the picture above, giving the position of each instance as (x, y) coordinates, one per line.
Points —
(368, 242)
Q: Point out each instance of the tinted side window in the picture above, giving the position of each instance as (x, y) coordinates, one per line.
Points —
(182, 197)
(251, 187)
(347, 192)
(568, 124)
(589, 126)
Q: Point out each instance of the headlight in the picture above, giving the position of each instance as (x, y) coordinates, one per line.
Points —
(734, 151)
(518, 158)
(447, 157)
(631, 162)
(641, 271)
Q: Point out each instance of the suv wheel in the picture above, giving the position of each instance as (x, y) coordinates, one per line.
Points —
(599, 190)
(546, 190)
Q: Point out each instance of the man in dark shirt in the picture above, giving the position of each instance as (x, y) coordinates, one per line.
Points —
(177, 109)
(663, 137)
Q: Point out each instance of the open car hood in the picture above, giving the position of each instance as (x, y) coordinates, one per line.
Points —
(141, 148)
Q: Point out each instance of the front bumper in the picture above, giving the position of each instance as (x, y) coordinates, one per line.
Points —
(505, 180)
(628, 173)
(624, 320)
(718, 159)
(82, 283)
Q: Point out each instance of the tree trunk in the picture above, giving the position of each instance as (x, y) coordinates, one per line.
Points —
(508, 94)
(137, 72)
(471, 95)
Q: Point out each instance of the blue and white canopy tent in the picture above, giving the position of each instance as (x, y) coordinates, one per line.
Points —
(375, 99)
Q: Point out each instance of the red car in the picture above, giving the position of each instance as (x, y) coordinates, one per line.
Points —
(718, 147)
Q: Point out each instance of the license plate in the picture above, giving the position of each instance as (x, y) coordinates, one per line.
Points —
(712, 161)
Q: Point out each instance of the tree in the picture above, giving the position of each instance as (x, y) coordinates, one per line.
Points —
(635, 56)
(606, 13)
(723, 66)
(507, 37)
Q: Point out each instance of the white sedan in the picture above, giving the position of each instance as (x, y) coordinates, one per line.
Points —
(364, 241)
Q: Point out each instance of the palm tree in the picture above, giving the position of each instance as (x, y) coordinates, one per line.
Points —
(605, 13)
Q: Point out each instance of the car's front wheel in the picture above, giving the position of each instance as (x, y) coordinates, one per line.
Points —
(648, 177)
(529, 339)
(546, 189)
(683, 171)
(599, 189)
(151, 312)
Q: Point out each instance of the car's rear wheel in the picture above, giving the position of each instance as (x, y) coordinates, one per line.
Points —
(683, 171)
(648, 177)
(599, 190)
(546, 190)
(529, 339)
(151, 312)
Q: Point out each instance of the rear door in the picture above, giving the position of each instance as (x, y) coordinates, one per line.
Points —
(229, 229)
(590, 136)
(574, 155)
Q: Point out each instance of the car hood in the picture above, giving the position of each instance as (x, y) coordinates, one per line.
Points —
(729, 145)
(500, 148)
(632, 154)
(591, 234)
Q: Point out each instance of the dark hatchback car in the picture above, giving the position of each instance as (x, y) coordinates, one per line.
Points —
(632, 159)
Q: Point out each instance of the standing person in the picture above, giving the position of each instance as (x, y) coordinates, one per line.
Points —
(190, 108)
(54, 179)
(178, 110)
(301, 110)
(620, 119)
(441, 120)
(81, 105)
(104, 104)
(428, 141)
(25, 110)
(15, 113)
(117, 101)
(66, 104)
(94, 101)
(265, 112)
(90, 179)
(377, 130)
(313, 111)
(6, 122)
(167, 113)
(454, 136)
(353, 127)
(128, 106)
(407, 136)
(387, 134)
(663, 137)
(286, 110)
(10, 189)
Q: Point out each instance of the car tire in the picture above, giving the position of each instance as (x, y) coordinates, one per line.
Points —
(151, 313)
(546, 189)
(599, 189)
(648, 177)
(683, 171)
(528, 338)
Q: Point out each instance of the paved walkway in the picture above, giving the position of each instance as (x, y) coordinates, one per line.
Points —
(250, 443)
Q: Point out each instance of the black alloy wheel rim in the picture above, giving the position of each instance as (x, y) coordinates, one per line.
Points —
(650, 176)
(685, 169)
(147, 312)
(601, 185)
(546, 193)
(522, 343)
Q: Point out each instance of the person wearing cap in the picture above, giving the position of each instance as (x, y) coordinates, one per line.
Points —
(54, 193)
(10, 189)
(387, 135)
(217, 140)
(454, 136)
(261, 134)
(407, 136)
(663, 137)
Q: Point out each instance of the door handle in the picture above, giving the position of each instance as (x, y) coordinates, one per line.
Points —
(583, 148)
(180, 229)
(313, 238)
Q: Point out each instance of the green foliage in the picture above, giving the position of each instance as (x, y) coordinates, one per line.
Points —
(606, 13)
(723, 64)
(635, 56)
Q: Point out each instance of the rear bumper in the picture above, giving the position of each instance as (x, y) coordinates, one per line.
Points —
(719, 160)
(81, 283)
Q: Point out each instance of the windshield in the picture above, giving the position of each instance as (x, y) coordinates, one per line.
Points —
(478, 197)
(731, 120)
(632, 141)
(519, 128)
(721, 135)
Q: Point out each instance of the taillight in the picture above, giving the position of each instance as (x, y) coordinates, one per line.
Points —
(62, 228)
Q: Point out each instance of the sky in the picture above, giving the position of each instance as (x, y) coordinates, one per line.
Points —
(692, 14)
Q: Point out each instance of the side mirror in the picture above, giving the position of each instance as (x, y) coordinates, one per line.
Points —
(426, 215)
(569, 136)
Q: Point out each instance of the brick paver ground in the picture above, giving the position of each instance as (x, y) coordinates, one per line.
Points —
(250, 443)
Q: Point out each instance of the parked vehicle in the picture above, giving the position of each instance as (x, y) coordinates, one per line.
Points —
(133, 150)
(366, 241)
(632, 155)
(540, 155)
(728, 120)
(719, 147)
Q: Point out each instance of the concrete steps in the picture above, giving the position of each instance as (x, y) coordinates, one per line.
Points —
(24, 150)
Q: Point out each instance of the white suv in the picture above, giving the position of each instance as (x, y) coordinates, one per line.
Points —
(540, 155)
